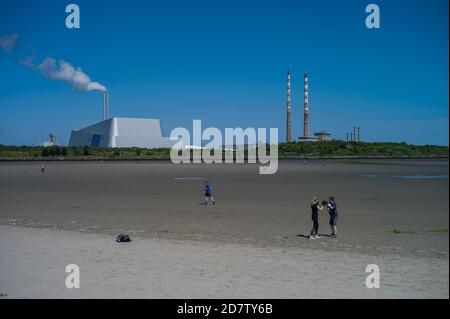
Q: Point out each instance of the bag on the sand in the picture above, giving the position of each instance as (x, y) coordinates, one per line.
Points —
(123, 238)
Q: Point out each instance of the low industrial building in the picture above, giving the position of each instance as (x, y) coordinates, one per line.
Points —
(122, 132)
(52, 141)
(308, 139)
(323, 136)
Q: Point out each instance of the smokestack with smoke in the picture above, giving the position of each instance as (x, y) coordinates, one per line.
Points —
(105, 106)
(52, 69)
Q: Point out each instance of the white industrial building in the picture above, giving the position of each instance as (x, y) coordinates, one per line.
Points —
(122, 132)
(323, 136)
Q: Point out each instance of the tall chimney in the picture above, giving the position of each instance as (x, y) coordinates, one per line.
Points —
(358, 134)
(354, 133)
(305, 114)
(105, 106)
(288, 119)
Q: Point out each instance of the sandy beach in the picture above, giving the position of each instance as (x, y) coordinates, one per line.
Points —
(33, 266)
(252, 243)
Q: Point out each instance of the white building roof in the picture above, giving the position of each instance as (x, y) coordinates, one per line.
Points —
(122, 132)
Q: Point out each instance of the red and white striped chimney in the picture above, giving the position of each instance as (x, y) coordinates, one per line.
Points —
(288, 117)
(306, 109)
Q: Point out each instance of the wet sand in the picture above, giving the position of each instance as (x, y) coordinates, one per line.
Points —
(162, 201)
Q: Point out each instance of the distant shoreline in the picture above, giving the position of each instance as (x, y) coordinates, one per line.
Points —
(286, 151)
(167, 159)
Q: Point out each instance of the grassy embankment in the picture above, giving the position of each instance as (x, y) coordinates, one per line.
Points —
(286, 150)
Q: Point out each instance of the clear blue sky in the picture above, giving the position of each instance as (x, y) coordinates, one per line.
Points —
(225, 62)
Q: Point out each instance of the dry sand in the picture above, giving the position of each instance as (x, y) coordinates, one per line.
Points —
(251, 244)
(33, 264)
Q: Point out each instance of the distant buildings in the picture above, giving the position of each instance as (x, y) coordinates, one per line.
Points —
(51, 142)
(122, 132)
(308, 139)
(318, 136)
(323, 136)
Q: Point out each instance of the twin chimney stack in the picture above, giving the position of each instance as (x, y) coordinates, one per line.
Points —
(305, 109)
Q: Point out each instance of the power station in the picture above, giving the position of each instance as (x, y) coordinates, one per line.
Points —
(121, 132)
(147, 133)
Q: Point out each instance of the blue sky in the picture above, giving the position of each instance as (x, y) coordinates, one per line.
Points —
(225, 62)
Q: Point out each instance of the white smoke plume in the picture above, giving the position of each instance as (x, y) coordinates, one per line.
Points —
(8, 42)
(52, 69)
(64, 71)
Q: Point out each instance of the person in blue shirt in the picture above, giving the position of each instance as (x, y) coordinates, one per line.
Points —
(332, 210)
(208, 193)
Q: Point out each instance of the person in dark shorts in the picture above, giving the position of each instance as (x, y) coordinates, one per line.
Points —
(315, 208)
(332, 210)
(208, 193)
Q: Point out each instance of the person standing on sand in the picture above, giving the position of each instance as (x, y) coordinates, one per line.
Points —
(208, 194)
(315, 208)
(332, 210)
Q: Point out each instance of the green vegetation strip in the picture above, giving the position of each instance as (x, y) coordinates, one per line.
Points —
(398, 231)
(439, 230)
(322, 149)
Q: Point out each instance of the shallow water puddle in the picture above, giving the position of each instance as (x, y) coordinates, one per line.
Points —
(406, 176)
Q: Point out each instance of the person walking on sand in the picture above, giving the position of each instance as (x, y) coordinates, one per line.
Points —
(208, 193)
(332, 210)
(315, 208)
(42, 168)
